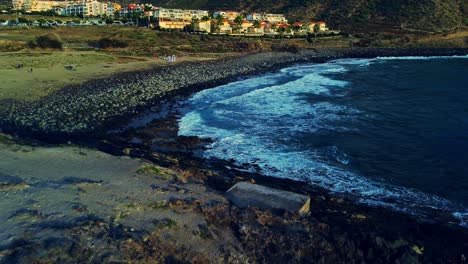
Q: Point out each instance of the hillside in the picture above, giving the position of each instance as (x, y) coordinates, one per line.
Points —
(5, 4)
(431, 15)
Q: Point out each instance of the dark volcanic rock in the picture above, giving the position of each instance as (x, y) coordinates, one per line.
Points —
(94, 105)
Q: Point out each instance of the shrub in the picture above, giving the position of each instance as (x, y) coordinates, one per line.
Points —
(105, 43)
(23, 20)
(46, 42)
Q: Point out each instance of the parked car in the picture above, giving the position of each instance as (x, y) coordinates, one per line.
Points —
(57, 24)
(118, 23)
(130, 23)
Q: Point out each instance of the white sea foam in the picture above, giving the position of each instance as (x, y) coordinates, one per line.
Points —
(250, 121)
(423, 57)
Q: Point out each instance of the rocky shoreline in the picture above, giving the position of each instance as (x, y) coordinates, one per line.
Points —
(92, 107)
(338, 230)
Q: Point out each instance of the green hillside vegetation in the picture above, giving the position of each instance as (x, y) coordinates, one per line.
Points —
(429, 15)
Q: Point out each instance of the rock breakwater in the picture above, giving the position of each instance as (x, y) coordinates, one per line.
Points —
(92, 106)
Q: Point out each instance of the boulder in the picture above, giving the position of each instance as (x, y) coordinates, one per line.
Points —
(244, 194)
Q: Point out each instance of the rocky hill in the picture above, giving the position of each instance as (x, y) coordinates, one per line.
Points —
(5, 4)
(430, 15)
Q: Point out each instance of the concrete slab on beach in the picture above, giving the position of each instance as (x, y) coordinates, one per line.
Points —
(244, 194)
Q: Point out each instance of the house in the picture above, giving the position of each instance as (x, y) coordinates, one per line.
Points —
(258, 29)
(131, 9)
(284, 28)
(245, 25)
(202, 26)
(223, 26)
(298, 26)
(322, 26)
(310, 27)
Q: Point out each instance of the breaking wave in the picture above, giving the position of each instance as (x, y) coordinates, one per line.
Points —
(264, 121)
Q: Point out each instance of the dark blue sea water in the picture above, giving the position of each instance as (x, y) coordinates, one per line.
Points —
(390, 131)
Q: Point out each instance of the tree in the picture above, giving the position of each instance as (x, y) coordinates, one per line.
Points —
(219, 22)
(238, 20)
(205, 18)
(316, 28)
(42, 21)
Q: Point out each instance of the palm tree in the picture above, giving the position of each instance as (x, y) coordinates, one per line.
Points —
(148, 8)
(219, 22)
(256, 24)
(239, 19)
(316, 30)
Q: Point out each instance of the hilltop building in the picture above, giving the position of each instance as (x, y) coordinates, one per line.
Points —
(179, 18)
(179, 14)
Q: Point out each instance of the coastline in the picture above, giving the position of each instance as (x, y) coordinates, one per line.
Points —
(89, 109)
(392, 235)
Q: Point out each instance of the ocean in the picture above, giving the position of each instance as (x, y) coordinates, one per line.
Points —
(390, 132)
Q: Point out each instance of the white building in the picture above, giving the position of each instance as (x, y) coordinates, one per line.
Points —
(88, 8)
(179, 14)
(271, 18)
(38, 5)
